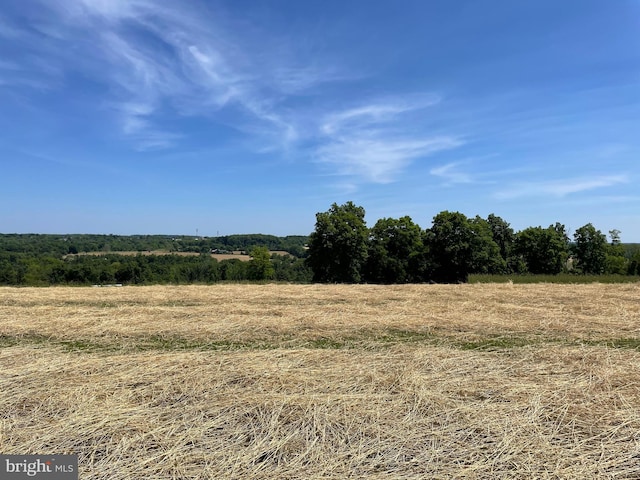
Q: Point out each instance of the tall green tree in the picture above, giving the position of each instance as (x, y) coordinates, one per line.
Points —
(543, 250)
(505, 237)
(633, 268)
(459, 246)
(260, 266)
(486, 256)
(449, 245)
(617, 263)
(8, 274)
(395, 248)
(290, 269)
(338, 247)
(590, 249)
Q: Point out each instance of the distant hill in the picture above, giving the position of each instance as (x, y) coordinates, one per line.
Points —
(60, 245)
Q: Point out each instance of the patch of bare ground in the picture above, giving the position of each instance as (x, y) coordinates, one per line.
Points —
(318, 381)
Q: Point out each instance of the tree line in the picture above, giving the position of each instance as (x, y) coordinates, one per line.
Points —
(59, 245)
(23, 269)
(343, 249)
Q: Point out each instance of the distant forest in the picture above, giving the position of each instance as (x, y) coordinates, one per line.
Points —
(341, 249)
(57, 245)
(40, 260)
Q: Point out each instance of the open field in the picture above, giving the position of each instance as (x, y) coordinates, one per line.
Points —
(217, 256)
(237, 255)
(325, 381)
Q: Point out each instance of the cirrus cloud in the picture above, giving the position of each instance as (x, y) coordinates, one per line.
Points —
(560, 188)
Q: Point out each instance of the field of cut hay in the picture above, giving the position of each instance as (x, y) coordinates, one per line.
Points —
(478, 381)
(218, 256)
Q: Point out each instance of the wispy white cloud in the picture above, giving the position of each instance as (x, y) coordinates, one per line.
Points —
(138, 126)
(451, 174)
(112, 9)
(598, 201)
(379, 159)
(33, 71)
(155, 140)
(343, 188)
(612, 151)
(158, 61)
(560, 188)
(365, 116)
(301, 80)
(365, 141)
(152, 58)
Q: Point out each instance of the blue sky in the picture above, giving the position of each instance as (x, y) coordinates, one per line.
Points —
(250, 116)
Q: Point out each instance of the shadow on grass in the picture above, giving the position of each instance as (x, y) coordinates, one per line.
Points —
(366, 341)
(501, 343)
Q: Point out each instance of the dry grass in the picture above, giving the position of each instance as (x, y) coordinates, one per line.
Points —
(237, 255)
(317, 381)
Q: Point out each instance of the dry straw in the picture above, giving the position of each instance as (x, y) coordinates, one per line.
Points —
(276, 381)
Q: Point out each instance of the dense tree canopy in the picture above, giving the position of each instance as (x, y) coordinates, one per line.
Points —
(543, 250)
(82, 243)
(459, 246)
(395, 251)
(338, 246)
(590, 249)
(486, 257)
(504, 236)
(341, 249)
(260, 266)
(450, 244)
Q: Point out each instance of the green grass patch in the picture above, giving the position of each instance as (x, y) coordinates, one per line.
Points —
(180, 303)
(28, 338)
(326, 343)
(8, 341)
(158, 342)
(499, 343)
(406, 336)
(629, 343)
(84, 346)
(108, 305)
(367, 341)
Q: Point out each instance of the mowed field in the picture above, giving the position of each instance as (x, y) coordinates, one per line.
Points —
(236, 255)
(325, 381)
(217, 256)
